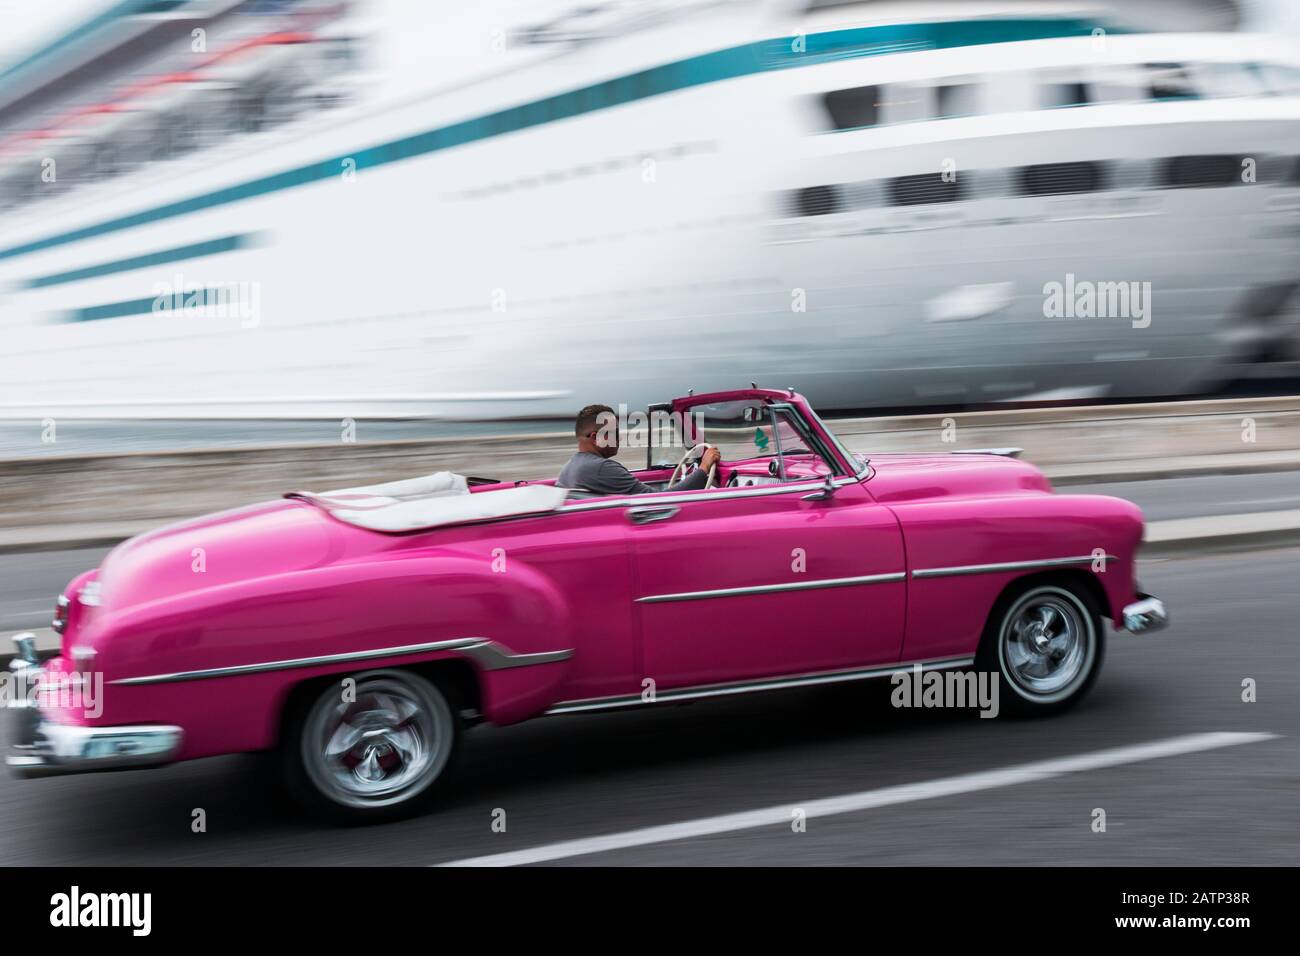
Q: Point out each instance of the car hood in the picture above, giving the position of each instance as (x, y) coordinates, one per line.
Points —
(899, 478)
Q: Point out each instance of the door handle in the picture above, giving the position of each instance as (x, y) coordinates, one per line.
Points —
(827, 490)
(649, 513)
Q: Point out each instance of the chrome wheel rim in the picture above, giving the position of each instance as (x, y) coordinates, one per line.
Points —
(1047, 644)
(386, 746)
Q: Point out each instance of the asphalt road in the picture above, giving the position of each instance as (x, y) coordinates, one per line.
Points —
(568, 778)
(29, 583)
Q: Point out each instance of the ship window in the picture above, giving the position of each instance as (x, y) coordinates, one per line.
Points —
(342, 51)
(1229, 79)
(816, 201)
(179, 134)
(1284, 80)
(251, 108)
(853, 108)
(925, 188)
(106, 162)
(1055, 179)
(16, 191)
(956, 99)
(906, 103)
(128, 139)
(1213, 170)
(1169, 81)
(1057, 95)
(1117, 83)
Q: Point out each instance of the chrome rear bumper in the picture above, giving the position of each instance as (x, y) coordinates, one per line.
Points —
(53, 749)
(1145, 615)
(35, 747)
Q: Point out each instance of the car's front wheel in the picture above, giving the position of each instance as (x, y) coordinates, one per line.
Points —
(1045, 642)
(370, 746)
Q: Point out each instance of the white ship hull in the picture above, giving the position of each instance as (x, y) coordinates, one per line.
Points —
(628, 251)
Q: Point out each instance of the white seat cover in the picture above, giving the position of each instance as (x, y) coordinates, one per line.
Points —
(438, 499)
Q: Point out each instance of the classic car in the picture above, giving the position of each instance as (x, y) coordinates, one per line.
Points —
(358, 633)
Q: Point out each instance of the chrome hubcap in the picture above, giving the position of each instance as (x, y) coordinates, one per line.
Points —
(384, 747)
(1046, 643)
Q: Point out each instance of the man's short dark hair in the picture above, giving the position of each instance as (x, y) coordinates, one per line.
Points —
(589, 419)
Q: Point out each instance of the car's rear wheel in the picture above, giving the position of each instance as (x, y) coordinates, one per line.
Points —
(1046, 643)
(372, 750)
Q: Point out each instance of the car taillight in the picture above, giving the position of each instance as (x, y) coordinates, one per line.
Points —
(60, 622)
(89, 595)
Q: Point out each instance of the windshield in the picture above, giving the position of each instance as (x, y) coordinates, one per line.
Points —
(749, 429)
(744, 431)
(791, 437)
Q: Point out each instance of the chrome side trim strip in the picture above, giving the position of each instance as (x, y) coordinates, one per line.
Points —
(773, 588)
(1003, 452)
(490, 654)
(1007, 566)
(494, 656)
(757, 686)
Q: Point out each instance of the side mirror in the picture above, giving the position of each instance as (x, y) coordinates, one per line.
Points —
(827, 490)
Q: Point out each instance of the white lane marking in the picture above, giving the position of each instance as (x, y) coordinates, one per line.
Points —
(871, 799)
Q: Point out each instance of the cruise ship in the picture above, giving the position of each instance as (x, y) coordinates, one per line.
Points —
(384, 208)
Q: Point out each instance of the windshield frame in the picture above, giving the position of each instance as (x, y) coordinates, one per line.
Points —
(813, 441)
(825, 442)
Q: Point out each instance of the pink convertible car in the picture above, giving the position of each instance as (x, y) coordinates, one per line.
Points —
(358, 633)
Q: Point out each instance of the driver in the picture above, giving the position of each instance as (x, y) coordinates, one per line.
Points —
(593, 468)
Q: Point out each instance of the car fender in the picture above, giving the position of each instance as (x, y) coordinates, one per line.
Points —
(963, 553)
(195, 657)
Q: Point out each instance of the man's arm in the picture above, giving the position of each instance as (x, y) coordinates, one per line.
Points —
(613, 479)
(695, 481)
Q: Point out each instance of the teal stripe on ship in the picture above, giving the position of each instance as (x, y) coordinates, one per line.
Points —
(112, 310)
(201, 297)
(760, 57)
(199, 249)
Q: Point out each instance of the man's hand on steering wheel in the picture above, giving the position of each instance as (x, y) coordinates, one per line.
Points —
(707, 460)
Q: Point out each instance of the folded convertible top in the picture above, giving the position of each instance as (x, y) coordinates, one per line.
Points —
(432, 501)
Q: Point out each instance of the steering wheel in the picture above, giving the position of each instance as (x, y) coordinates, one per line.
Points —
(690, 461)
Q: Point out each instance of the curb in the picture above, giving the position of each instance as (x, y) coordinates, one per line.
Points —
(1062, 476)
(111, 534)
(74, 543)
(1193, 537)
(1222, 544)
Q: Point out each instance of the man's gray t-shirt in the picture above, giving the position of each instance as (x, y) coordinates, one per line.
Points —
(605, 476)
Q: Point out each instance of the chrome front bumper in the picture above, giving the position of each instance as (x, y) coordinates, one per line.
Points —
(1145, 615)
(35, 747)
